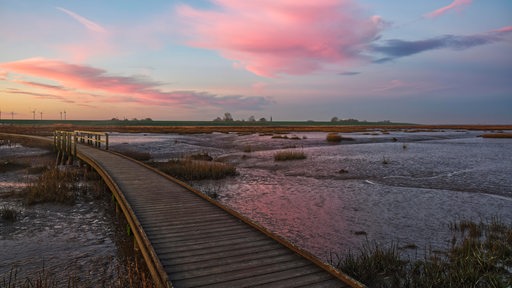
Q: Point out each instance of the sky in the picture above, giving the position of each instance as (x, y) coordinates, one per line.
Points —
(428, 62)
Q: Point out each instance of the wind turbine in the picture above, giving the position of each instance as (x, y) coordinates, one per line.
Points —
(64, 114)
(34, 114)
(41, 115)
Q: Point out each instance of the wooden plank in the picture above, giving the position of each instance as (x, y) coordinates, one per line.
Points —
(170, 259)
(314, 280)
(284, 262)
(274, 254)
(217, 249)
(250, 277)
(206, 242)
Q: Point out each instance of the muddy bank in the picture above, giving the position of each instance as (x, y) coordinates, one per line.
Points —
(83, 243)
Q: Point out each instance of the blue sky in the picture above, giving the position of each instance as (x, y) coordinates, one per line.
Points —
(432, 62)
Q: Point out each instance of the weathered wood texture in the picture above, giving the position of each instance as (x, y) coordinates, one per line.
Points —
(197, 243)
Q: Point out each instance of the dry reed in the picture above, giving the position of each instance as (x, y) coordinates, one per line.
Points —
(289, 155)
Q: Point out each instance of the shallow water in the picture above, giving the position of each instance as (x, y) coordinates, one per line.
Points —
(430, 180)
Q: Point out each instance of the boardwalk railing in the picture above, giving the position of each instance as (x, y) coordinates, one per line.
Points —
(92, 138)
(65, 143)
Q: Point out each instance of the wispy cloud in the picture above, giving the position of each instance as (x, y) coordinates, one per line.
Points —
(271, 37)
(395, 48)
(349, 73)
(393, 85)
(92, 82)
(456, 4)
(90, 25)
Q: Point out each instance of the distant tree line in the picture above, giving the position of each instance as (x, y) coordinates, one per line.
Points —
(133, 119)
(229, 118)
(352, 120)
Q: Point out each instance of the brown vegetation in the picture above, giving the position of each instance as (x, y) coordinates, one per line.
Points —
(8, 214)
(480, 256)
(497, 135)
(188, 169)
(336, 138)
(47, 130)
(54, 185)
(289, 155)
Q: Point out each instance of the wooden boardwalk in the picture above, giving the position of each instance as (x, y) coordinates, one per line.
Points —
(188, 240)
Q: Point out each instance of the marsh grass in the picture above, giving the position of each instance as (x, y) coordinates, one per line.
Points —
(188, 169)
(497, 135)
(480, 256)
(287, 155)
(131, 274)
(53, 185)
(28, 142)
(336, 138)
(248, 149)
(8, 214)
(201, 156)
(43, 279)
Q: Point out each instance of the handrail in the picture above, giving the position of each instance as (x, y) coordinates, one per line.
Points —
(65, 143)
(92, 138)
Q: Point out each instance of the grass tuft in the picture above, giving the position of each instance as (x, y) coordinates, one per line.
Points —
(202, 156)
(54, 185)
(8, 214)
(248, 149)
(188, 169)
(289, 155)
(336, 138)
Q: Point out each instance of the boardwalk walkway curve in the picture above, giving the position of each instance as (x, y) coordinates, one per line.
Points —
(189, 240)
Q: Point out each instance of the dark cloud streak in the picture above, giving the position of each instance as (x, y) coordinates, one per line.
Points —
(396, 48)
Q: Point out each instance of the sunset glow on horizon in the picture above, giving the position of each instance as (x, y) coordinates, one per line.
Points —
(431, 62)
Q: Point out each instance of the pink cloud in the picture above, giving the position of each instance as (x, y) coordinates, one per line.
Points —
(90, 25)
(505, 29)
(456, 4)
(271, 37)
(89, 84)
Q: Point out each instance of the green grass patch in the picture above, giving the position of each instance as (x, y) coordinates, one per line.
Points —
(289, 155)
(480, 255)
